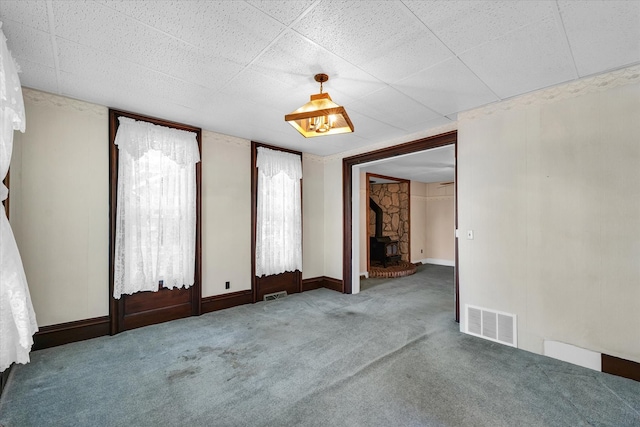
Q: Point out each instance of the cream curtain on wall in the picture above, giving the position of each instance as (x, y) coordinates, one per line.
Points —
(279, 212)
(156, 212)
(17, 318)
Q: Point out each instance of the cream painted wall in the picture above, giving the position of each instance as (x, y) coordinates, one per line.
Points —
(432, 223)
(418, 191)
(333, 218)
(312, 216)
(60, 207)
(440, 224)
(226, 214)
(550, 185)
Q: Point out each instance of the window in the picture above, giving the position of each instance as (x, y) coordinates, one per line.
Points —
(279, 212)
(156, 210)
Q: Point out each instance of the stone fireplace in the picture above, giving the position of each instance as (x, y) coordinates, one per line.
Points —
(393, 201)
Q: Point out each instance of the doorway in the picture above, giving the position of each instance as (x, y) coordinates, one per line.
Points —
(351, 167)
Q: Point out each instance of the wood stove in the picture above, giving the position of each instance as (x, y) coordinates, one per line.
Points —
(382, 248)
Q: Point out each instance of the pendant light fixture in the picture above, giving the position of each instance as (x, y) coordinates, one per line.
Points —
(320, 116)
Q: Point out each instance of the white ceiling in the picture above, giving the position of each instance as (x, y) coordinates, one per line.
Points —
(237, 67)
(435, 165)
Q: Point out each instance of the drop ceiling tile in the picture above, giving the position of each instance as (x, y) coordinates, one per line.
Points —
(27, 43)
(108, 74)
(113, 33)
(284, 11)
(462, 25)
(603, 35)
(37, 76)
(447, 88)
(367, 34)
(233, 30)
(30, 13)
(394, 108)
(368, 127)
(272, 94)
(531, 58)
(294, 60)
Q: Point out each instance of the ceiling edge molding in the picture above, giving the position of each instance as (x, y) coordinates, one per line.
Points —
(60, 101)
(226, 139)
(313, 158)
(561, 92)
(396, 141)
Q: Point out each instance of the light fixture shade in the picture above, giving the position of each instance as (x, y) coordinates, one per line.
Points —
(320, 116)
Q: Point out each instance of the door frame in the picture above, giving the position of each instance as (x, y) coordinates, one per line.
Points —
(448, 138)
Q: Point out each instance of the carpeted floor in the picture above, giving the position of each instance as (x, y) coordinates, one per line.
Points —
(389, 356)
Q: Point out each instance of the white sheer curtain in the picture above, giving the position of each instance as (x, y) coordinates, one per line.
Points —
(17, 318)
(279, 212)
(156, 212)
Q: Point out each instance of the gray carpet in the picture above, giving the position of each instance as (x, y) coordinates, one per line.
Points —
(389, 356)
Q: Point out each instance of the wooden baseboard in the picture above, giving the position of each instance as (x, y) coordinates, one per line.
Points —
(621, 367)
(65, 333)
(321, 282)
(220, 302)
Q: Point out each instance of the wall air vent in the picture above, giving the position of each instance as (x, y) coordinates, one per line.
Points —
(275, 295)
(492, 325)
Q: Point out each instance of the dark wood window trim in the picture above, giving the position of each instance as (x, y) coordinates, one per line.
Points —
(116, 307)
(254, 217)
(6, 182)
(448, 138)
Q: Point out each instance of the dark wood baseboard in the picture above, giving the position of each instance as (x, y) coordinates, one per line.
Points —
(4, 377)
(65, 333)
(321, 282)
(620, 367)
(220, 302)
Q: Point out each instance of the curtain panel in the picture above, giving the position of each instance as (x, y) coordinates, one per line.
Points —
(279, 212)
(156, 212)
(17, 317)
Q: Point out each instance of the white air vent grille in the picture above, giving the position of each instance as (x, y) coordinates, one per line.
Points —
(275, 295)
(492, 325)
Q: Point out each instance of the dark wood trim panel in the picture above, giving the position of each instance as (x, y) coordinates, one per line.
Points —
(333, 284)
(321, 282)
(290, 281)
(4, 378)
(312, 283)
(118, 320)
(65, 333)
(6, 182)
(621, 367)
(347, 192)
(222, 302)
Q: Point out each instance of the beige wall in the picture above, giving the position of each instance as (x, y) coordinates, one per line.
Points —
(312, 216)
(418, 221)
(333, 218)
(60, 207)
(440, 224)
(550, 185)
(226, 214)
